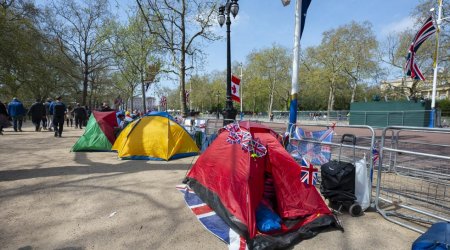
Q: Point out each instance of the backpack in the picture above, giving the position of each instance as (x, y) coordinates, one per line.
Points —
(59, 109)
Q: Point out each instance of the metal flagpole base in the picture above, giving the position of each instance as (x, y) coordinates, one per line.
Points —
(432, 118)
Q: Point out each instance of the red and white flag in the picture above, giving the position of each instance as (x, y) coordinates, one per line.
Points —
(235, 88)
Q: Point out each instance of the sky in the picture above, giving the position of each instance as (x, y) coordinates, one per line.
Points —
(261, 23)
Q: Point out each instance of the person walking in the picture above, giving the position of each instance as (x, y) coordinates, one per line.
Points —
(16, 111)
(88, 114)
(80, 115)
(37, 112)
(105, 108)
(59, 110)
(48, 114)
(4, 121)
(69, 116)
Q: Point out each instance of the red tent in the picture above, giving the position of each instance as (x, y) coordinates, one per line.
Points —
(231, 182)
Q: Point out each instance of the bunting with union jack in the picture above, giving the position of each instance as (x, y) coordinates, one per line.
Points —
(411, 68)
(238, 136)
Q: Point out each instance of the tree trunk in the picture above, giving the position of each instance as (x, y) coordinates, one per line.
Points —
(144, 104)
(85, 86)
(254, 105)
(132, 99)
(330, 106)
(270, 102)
(353, 92)
(183, 62)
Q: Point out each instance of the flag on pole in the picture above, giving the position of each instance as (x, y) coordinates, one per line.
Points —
(425, 31)
(305, 6)
(235, 84)
(163, 101)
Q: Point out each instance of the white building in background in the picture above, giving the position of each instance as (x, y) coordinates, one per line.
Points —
(137, 103)
(423, 89)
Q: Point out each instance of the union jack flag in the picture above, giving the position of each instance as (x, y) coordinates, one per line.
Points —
(309, 174)
(233, 127)
(258, 148)
(233, 138)
(211, 221)
(424, 33)
(375, 155)
(312, 150)
(237, 136)
(245, 141)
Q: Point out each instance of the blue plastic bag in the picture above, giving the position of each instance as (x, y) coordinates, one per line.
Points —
(437, 237)
(266, 219)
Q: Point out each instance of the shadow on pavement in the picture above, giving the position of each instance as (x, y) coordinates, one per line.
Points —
(91, 168)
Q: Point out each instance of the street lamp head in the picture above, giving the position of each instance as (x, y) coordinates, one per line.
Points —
(234, 8)
(285, 2)
(221, 17)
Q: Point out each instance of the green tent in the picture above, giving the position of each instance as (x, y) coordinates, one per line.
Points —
(99, 133)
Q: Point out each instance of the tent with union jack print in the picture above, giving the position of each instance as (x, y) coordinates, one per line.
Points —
(231, 179)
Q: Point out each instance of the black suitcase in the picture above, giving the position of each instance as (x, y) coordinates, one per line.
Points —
(338, 181)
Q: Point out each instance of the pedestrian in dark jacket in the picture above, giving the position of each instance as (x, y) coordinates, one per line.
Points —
(105, 108)
(59, 110)
(16, 111)
(37, 112)
(80, 115)
(4, 121)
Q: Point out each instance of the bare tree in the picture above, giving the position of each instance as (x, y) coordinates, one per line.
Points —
(135, 52)
(178, 24)
(77, 26)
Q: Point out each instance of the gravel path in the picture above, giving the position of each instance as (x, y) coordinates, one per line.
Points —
(51, 198)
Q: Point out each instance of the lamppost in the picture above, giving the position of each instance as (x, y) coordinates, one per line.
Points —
(229, 113)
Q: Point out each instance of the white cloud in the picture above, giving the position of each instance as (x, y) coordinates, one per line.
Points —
(398, 26)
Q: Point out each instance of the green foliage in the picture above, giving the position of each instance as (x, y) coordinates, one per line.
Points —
(31, 65)
(444, 105)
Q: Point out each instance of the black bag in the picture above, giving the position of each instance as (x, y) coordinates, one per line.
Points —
(338, 177)
(338, 181)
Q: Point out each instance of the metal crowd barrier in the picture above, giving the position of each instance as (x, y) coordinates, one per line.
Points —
(413, 176)
(365, 142)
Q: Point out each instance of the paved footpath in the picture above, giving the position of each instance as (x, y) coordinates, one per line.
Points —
(51, 198)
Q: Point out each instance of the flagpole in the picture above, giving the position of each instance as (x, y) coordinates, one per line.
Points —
(241, 94)
(295, 63)
(435, 64)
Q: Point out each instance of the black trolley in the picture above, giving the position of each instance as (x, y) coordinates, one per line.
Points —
(338, 181)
